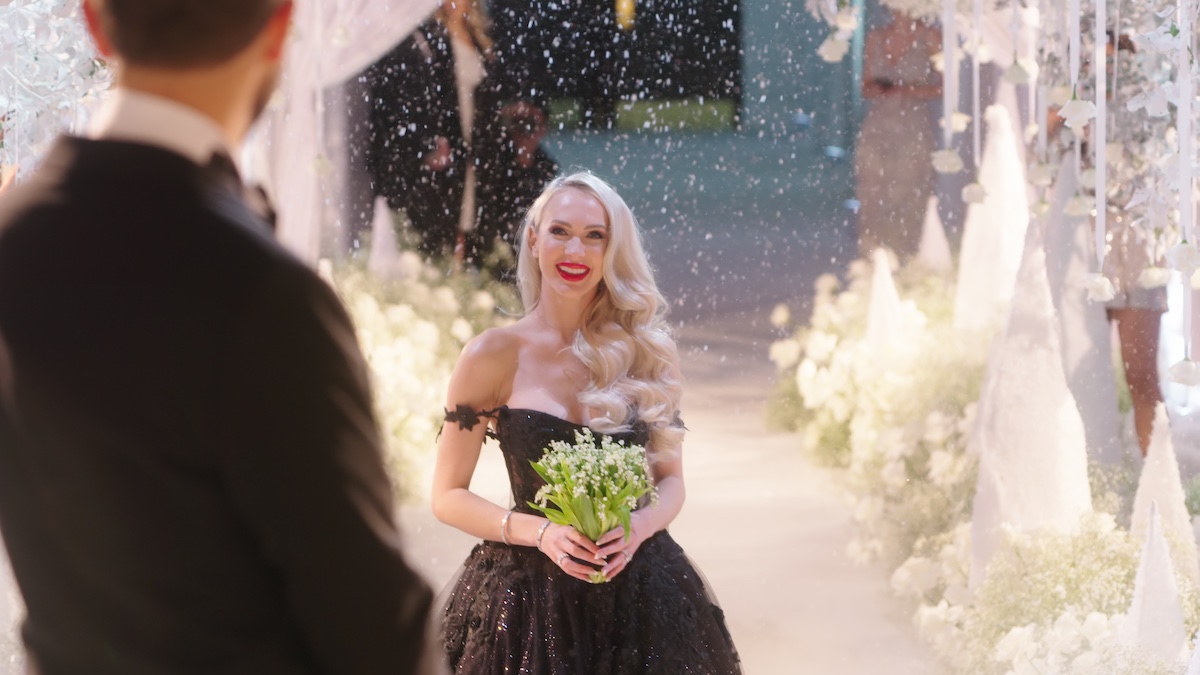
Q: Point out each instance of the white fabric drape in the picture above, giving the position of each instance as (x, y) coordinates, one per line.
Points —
(331, 41)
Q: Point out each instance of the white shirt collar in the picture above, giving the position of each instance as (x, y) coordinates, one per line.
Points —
(139, 117)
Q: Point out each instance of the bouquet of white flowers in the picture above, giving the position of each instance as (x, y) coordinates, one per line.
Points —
(593, 487)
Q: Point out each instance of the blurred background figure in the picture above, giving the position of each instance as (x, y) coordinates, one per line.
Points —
(1136, 310)
(455, 132)
(892, 163)
(417, 155)
(511, 120)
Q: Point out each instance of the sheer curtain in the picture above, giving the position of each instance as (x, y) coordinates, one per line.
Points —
(289, 151)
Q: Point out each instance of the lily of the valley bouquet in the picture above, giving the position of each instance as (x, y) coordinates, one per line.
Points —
(592, 486)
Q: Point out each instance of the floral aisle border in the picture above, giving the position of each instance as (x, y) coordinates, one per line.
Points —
(411, 331)
(1050, 603)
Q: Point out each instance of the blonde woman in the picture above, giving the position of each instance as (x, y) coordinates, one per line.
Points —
(592, 350)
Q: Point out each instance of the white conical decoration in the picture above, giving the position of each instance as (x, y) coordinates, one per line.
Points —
(1033, 453)
(933, 253)
(883, 315)
(1085, 330)
(1154, 623)
(1161, 485)
(994, 233)
(384, 260)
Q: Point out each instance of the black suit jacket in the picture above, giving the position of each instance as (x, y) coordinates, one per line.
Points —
(190, 472)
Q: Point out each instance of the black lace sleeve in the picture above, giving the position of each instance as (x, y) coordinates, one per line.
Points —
(467, 417)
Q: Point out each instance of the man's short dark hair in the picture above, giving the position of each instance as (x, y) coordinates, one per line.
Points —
(183, 33)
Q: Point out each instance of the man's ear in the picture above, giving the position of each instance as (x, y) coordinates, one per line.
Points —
(277, 30)
(96, 28)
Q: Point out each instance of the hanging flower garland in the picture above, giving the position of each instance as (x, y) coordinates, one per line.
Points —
(50, 76)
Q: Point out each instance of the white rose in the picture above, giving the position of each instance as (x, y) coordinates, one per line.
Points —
(958, 122)
(410, 264)
(846, 21)
(785, 353)
(820, 345)
(974, 193)
(1017, 645)
(1017, 74)
(1077, 113)
(1185, 372)
(780, 316)
(1099, 288)
(483, 302)
(461, 330)
(1154, 277)
(947, 162)
(1185, 258)
(833, 49)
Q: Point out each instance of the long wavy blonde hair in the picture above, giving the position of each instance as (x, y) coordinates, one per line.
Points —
(624, 339)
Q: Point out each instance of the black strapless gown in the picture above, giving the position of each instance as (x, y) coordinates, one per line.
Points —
(512, 610)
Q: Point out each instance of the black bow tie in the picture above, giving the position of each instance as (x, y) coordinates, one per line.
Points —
(222, 169)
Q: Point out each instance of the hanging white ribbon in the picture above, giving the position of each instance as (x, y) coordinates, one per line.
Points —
(1042, 92)
(1100, 128)
(949, 73)
(1073, 58)
(976, 119)
(1183, 126)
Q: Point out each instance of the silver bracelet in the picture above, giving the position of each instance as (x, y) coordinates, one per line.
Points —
(504, 526)
(541, 532)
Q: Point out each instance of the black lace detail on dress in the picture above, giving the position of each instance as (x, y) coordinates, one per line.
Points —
(467, 417)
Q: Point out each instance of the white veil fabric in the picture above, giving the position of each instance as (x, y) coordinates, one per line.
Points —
(289, 151)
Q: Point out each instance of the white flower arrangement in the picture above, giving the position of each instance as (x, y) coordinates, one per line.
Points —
(1050, 602)
(947, 161)
(50, 77)
(897, 426)
(974, 193)
(411, 332)
(1076, 113)
(1100, 288)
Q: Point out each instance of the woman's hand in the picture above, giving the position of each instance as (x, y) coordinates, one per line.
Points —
(566, 547)
(618, 551)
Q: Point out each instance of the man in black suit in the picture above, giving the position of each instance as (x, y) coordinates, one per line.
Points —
(191, 477)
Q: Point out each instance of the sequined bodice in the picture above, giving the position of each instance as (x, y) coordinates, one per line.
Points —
(524, 435)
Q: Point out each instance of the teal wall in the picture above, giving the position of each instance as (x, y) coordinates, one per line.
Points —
(782, 74)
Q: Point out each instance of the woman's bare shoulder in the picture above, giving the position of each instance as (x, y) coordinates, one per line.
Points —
(485, 369)
(494, 352)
